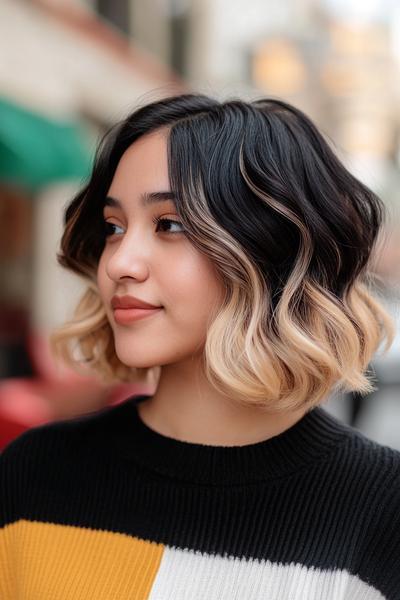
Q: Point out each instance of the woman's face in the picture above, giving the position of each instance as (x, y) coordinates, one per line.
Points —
(155, 263)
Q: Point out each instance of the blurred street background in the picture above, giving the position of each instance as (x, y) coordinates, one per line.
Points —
(69, 69)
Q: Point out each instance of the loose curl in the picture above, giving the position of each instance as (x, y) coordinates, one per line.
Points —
(290, 231)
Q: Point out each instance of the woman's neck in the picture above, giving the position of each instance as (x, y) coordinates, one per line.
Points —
(186, 407)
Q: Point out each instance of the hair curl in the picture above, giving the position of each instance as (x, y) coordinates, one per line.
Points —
(290, 231)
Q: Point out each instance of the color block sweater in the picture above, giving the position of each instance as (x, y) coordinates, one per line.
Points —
(102, 507)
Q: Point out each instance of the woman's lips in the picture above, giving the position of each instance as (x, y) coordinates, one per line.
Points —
(128, 315)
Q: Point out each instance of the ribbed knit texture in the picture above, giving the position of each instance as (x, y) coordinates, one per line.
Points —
(102, 507)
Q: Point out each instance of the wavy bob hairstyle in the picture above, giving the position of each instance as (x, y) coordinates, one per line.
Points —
(289, 229)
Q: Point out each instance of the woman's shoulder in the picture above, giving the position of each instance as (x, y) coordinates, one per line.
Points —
(366, 459)
(376, 470)
(367, 473)
(55, 440)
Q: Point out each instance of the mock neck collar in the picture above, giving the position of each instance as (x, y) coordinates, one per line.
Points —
(309, 440)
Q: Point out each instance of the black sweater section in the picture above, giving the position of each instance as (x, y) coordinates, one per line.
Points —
(320, 494)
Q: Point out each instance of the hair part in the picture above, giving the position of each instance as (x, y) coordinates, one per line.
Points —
(289, 230)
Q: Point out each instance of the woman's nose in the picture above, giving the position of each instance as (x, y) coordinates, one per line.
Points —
(129, 259)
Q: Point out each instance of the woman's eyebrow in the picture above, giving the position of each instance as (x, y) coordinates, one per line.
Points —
(146, 199)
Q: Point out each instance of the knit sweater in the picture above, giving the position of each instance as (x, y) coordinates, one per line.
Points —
(102, 507)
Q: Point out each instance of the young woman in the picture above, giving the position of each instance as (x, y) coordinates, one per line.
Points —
(226, 251)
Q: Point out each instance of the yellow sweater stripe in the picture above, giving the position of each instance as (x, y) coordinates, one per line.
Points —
(62, 562)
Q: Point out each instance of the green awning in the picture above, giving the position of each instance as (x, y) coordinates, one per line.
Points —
(36, 151)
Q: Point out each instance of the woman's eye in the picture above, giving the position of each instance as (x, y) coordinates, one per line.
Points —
(109, 228)
(163, 224)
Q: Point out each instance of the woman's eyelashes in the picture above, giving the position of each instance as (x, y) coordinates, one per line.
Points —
(162, 225)
(160, 222)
